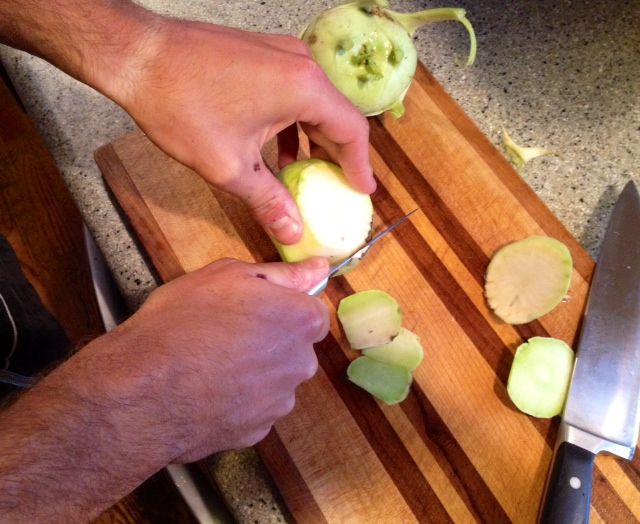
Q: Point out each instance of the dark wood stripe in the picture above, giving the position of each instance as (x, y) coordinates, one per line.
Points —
(382, 438)
(434, 432)
(607, 501)
(631, 469)
(285, 473)
(478, 330)
(144, 223)
(378, 431)
(453, 460)
(444, 220)
(504, 171)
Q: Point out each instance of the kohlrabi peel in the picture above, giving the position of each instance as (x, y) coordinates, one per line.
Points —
(336, 218)
(367, 51)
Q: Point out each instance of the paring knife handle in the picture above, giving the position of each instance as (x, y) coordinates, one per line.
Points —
(567, 498)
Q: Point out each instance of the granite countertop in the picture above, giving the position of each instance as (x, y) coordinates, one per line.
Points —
(559, 74)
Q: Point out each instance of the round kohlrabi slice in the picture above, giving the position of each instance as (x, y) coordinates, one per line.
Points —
(528, 278)
(540, 376)
(336, 218)
(385, 381)
(369, 318)
(404, 350)
(367, 51)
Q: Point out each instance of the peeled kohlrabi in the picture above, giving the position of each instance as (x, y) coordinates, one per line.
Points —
(336, 218)
(369, 318)
(367, 52)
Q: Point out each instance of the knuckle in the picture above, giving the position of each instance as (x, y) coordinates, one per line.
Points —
(270, 208)
(315, 320)
(309, 70)
(286, 406)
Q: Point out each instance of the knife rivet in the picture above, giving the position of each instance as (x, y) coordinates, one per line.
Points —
(575, 483)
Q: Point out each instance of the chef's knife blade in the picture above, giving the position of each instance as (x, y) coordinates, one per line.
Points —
(333, 270)
(602, 412)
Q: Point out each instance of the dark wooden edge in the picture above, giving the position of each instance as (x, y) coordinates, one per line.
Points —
(155, 243)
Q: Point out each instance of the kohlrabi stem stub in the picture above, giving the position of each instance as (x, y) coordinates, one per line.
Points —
(367, 50)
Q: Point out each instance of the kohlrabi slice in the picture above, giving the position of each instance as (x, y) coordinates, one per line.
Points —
(404, 350)
(385, 381)
(369, 318)
(367, 51)
(528, 278)
(521, 155)
(540, 376)
(336, 218)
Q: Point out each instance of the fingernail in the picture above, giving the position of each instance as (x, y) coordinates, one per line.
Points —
(318, 263)
(285, 227)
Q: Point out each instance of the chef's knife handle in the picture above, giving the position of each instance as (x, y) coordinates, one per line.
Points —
(567, 498)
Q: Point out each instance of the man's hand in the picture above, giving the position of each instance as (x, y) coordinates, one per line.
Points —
(210, 96)
(209, 363)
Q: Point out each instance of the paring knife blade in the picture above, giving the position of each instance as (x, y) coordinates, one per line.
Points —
(602, 412)
(333, 270)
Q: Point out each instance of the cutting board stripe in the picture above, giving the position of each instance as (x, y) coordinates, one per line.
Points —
(383, 439)
(289, 480)
(150, 234)
(379, 433)
(502, 169)
(445, 221)
(478, 497)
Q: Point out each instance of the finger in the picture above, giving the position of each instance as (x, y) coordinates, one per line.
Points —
(288, 144)
(272, 205)
(352, 156)
(300, 276)
(331, 121)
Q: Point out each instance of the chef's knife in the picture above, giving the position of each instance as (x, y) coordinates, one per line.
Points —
(602, 412)
(333, 270)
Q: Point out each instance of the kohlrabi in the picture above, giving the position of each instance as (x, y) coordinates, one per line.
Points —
(336, 218)
(367, 52)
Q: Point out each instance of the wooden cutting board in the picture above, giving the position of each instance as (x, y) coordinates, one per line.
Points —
(456, 449)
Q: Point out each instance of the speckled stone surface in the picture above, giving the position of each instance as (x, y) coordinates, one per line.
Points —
(560, 74)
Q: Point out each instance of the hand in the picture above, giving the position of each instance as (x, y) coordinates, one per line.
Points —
(222, 350)
(211, 97)
(208, 363)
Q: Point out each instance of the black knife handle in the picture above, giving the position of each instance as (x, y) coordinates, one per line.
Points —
(567, 498)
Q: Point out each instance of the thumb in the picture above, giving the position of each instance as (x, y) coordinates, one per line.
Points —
(270, 202)
(299, 275)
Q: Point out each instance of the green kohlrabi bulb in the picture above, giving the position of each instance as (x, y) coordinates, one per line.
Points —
(367, 52)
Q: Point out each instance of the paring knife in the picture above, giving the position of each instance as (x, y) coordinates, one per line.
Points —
(602, 412)
(319, 287)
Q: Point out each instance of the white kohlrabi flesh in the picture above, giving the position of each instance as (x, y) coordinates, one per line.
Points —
(367, 51)
(336, 218)
(369, 318)
(528, 278)
(405, 350)
(540, 376)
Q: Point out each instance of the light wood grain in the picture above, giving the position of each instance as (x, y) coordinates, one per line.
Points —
(456, 449)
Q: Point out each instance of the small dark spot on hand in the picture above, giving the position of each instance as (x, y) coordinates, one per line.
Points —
(262, 276)
(256, 166)
(370, 331)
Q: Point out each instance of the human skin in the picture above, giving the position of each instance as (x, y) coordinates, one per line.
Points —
(208, 363)
(210, 96)
(213, 358)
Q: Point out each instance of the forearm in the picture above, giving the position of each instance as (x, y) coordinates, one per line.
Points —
(76, 443)
(104, 43)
